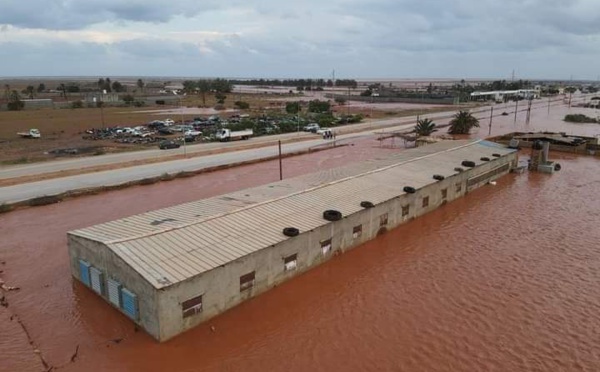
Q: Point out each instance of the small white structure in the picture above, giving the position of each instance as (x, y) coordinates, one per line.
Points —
(500, 95)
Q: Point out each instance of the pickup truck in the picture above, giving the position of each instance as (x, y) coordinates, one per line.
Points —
(31, 133)
(224, 135)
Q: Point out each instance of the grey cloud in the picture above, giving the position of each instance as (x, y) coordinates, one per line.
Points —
(362, 37)
(77, 14)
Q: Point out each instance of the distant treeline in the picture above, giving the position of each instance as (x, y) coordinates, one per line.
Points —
(203, 86)
(351, 83)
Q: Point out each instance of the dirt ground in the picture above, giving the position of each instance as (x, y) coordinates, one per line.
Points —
(62, 128)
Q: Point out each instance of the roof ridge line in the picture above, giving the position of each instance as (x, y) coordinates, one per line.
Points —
(213, 217)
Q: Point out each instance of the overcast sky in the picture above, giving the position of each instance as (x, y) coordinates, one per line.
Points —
(553, 39)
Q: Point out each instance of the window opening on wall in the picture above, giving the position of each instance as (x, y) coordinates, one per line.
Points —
(458, 187)
(426, 202)
(192, 306)
(444, 193)
(357, 232)
(326, 246)
(290, 262)
(383, 219)
(405, 210)
(247, 281)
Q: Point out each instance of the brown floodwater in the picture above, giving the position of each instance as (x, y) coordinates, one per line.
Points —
(505, 279)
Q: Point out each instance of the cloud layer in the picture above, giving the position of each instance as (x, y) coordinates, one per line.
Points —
(359, 38)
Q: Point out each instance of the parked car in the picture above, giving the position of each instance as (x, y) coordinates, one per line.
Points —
(168, 145)
(166, 131)
(312, 127)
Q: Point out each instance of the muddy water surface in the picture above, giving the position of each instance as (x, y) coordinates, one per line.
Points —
(505, 279)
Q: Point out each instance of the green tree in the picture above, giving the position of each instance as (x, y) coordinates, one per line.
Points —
(462, 123)
(189, 86)
(14, 101)
(318, 106)
(77, 104)
(41, 88)
(63, 90)
(203, 87)
(242, 105)
(128, 99)
(220, 97)
(141, 85)
(292, 107)
(570, 90)
(118, 87)
(221, 86)
(72, 88)
(340, 100)
(425, 127)
(30, 91)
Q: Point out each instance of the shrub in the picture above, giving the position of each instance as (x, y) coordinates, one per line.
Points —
(579, 118)
(5, 208)
(242, 105)
(44, 200)
(77, 104)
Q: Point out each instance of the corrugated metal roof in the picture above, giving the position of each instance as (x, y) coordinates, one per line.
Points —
(173, 244)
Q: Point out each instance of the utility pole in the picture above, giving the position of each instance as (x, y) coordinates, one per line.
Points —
(280, 165)
(298, 115)
(348, 103)
(491, 117)
(184, 141)
(516, 108)
(529, 111)
(570, 95)
(101, 104)
(548, 106)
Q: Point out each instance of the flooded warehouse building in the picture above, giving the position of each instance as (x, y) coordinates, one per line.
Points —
(171, 269)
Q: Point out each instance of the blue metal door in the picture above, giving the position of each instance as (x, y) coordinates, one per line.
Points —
(84, 272)
(129, 301)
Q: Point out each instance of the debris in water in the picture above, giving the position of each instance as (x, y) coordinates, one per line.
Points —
(75, 354)
(6, 287)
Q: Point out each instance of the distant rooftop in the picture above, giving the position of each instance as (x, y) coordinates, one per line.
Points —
(170, 245)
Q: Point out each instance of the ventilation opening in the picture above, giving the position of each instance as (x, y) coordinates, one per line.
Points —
(160, 222)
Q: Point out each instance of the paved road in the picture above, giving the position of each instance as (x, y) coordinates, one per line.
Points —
(12, 194)
(8, 172)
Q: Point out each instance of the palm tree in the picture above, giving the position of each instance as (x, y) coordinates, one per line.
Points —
(462, 123)
(204, 87)
(425, 127)
(141, 85)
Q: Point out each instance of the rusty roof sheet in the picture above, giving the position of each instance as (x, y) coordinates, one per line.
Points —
(173, 244)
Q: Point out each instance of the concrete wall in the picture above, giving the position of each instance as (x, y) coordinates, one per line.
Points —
(113, 267)
(385, 99)
(220, 287)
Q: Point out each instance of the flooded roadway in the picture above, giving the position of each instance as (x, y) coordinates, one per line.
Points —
(506, 279)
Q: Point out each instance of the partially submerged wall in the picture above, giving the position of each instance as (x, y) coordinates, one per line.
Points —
(221, 289)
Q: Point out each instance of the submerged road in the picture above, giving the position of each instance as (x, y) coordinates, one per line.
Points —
(21, 192)
(9, 172)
